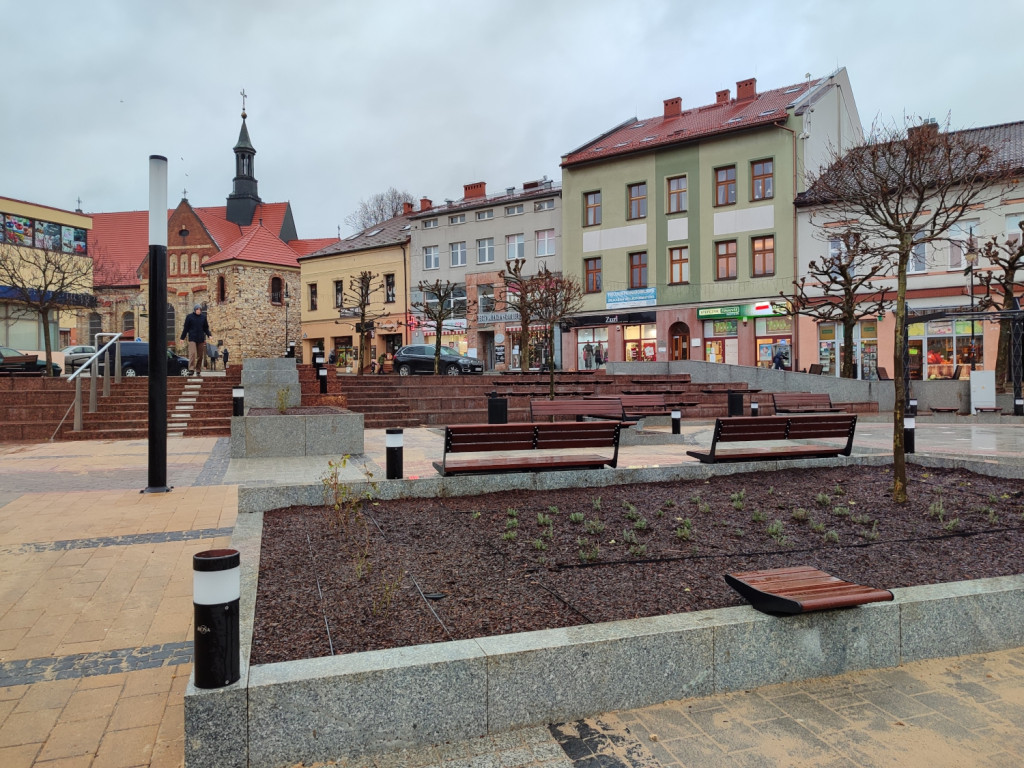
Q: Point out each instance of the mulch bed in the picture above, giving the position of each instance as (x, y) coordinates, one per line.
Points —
(413, 571)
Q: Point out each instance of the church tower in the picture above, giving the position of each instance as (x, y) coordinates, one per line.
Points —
(244, 196)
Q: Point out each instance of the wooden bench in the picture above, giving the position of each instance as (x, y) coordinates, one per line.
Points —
(577, 408)
(801, 589)
(520, 446)
(803, 402)
(816, 369)
(988, 410)
(944, 409)
(751, 429)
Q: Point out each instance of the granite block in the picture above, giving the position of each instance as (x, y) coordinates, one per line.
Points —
(357, 704)
(961, 618)
(274, 436)
(754, 649)
(237, 437)
(565, 674)
(334, 434)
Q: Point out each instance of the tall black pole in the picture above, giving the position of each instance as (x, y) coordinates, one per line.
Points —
(157, 325)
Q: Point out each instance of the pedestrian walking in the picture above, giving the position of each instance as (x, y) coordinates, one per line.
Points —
(213, 354)
(224, 354)
(196, 331)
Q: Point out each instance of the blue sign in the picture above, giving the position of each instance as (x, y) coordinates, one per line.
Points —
(638, 297)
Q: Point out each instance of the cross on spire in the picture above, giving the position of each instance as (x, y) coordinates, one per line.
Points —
(242, 94)
(184, 194)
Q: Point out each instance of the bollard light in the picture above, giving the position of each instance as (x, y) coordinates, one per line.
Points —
(393, 443)
(909, 423)
(238, 401)
(755, 409)
(216, 588)
(291, 349)
(677, 417)
(1018, 407)
(323, 380)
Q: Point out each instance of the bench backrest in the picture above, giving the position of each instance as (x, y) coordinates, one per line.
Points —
(463, 438)
(736, 429)
(607, 408)
(796, 399)
(577, 434)
(466, 438)
(643, 401)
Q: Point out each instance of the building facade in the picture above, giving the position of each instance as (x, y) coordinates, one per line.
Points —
(469, 242)
(682, 227)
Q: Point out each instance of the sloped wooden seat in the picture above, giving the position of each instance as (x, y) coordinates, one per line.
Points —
(801, 589)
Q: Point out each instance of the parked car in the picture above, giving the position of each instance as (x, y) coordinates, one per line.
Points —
(135, 360)
(76, 355)
(419, 358)
(13, 360)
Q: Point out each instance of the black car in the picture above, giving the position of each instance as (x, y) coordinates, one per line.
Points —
(135, 360)
(13, 360)
(419, 358)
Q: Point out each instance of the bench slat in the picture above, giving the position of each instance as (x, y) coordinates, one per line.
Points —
(738, 429)
(799, 590)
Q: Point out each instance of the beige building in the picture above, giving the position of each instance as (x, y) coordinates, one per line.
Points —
(329, 301)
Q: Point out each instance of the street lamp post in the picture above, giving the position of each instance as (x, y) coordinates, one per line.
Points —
(972, 259)
(287, 301)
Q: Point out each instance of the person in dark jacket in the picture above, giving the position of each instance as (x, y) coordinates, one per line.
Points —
(196, 331)
(224, 354)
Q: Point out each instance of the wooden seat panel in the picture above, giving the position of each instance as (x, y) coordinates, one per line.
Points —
(801, 589)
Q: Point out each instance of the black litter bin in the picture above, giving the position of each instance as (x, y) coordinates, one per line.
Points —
(497, 409)
(735, 403)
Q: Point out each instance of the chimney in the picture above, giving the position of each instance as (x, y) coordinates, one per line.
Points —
(722, 97)
(929, 127)
(426, 204)
(474, 190)
(406, 208)
(673, 107)
(746, 89)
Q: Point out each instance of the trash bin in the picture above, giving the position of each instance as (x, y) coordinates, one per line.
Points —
(735, 403)
(497, 409)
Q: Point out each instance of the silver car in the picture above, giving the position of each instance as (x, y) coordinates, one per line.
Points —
(76, 355)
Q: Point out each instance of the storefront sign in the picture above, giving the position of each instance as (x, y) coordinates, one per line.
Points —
(638, 297)
(762, 308)
(489, 318)
(708, 313)
(499, 353)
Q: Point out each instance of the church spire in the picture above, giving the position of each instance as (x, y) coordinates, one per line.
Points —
(244, 195)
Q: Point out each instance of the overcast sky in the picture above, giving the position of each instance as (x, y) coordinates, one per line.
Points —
(348, 98)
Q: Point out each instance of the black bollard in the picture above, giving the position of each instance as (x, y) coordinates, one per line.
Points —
(238, 401)
(393, 442)
(291, 349)
(677, 418)
(322, 373)
(909, 424)
(216, 586)
(755, 409)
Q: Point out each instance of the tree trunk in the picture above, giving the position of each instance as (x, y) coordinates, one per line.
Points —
(551, 362)
(524, 348)
(846, 370)
(47, 344)
(899, 459)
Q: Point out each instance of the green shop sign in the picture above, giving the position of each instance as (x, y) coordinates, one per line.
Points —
(708, 313)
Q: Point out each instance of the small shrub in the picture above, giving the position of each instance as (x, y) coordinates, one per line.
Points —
(641, 524)
(685, 531)
(775, 531)
(593, 527)
(937, 509)
(739, 533)
(668, 504)
(475, 514)
(576, 517)
(511, 524)
(823, 500)
(872, 533)
(512, 512)
(738, 499)
(282, 399)
(817, 527)
(841, 511)
(704, 508)
(838, 490)
(758, 516)
(951, 524)
(543, 519)
(553, 509)
(860, 519)
(629, 536)
(638, 550)
(799, 514)
(993, 518)
(832, 537)
(596, 504)
(630, 509)
(540, 545)
(509, 536)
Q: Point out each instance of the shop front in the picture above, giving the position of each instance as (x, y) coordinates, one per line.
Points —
(865, 349)
(748, 334)
(453, 335)
(599, 339)
(938, 347)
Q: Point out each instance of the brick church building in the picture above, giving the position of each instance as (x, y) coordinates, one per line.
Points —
(239, 261)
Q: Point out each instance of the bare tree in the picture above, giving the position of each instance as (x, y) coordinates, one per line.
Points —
(380, 207)
(554, 298)
(45, 282)
(1001, 285)
(358, 298)
(442, 300)
(516, 295)
(840, 289)
(908, 185)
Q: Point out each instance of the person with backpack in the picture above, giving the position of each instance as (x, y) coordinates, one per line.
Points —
(196, 331)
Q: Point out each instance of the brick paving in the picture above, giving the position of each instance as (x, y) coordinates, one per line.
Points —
(96, 628)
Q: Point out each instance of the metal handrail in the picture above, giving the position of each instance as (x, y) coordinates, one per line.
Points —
(93, 363)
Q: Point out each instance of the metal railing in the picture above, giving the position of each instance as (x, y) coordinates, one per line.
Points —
(93, 366)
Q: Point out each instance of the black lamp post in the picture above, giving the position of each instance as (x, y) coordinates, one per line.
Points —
(972, 259)
(287, 301)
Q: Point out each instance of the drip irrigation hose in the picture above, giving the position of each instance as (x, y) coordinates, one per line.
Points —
(320, 592)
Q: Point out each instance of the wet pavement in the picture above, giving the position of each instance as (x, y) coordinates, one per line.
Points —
(96, 628)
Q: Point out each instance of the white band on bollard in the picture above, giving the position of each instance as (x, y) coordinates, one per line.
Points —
(392, 440)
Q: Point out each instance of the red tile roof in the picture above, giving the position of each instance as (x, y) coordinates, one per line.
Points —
(259, 245)
(306, 247)
(118, 242)
(698, 123)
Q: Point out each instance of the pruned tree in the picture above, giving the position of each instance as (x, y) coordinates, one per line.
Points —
(840, 289)
(45, 282)
(516, 295)
(554, 298)
(379, 207)
(1001, 285)
(358, 299)
(907, 185)
(442, 300)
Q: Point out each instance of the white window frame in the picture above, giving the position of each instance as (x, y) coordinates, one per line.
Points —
(514, 210)
(1012, 222)
(485, 215)
(515, 247)
(485, 250)
(958, 235)
(430, 223)
(431, 257)
(459, 218)
(458, 253)
(544, 205)
(546, 242)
